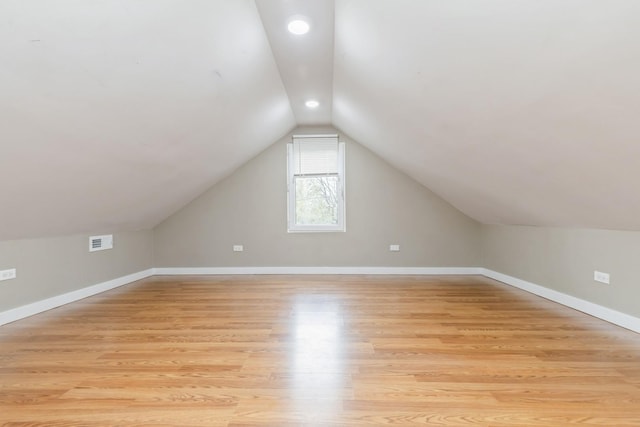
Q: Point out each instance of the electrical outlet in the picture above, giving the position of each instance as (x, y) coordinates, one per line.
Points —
(8, 274)
(394, 248)
(238, 248)
(601, 277)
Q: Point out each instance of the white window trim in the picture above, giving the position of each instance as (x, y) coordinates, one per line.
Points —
(291, 202)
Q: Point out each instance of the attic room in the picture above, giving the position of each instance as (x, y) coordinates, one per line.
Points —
(319, 212)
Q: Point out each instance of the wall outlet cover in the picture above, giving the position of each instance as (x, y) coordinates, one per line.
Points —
(8, 274)
(601, 277)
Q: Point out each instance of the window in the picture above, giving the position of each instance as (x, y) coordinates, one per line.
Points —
(315, 183)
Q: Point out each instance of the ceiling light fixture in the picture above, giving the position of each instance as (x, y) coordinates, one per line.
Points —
(312, 103)
(298, 26)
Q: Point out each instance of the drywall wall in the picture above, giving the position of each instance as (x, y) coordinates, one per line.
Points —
(564, 260)
(383, 207)
(53, 266)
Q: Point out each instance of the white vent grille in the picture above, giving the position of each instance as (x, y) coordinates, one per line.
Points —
(100, 243)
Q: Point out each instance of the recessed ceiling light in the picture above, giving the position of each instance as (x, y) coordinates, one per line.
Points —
(298, 26)
(312, 103)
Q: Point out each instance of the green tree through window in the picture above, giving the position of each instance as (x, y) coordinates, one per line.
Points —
(316, 183)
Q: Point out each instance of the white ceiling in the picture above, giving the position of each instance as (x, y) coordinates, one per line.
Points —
(305, 61)
(516, 112)
(114, 114)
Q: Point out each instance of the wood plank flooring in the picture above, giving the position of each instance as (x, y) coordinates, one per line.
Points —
(317, 351)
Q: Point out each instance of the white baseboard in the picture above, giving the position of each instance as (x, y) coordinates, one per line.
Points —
(604, 313)
(53, 302)
(59, 300)
(617, 318)
(319, 270)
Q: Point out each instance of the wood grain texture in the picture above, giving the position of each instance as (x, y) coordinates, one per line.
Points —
(317, 351)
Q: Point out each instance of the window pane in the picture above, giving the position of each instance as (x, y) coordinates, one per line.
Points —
(316, 200)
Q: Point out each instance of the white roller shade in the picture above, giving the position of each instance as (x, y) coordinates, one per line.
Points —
(315, 156)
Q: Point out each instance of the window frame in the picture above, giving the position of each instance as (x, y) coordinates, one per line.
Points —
(292, 227)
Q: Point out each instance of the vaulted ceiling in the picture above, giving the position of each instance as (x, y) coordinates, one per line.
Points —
(116, 113)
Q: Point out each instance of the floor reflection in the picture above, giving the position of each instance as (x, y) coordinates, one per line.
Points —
(317, 369)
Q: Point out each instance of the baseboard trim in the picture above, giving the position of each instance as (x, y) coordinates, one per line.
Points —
(318, 270)
(59, 300)
(621, 319)
(617, 318)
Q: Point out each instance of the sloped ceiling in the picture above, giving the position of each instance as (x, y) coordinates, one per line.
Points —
(114, 114)
(516, 112)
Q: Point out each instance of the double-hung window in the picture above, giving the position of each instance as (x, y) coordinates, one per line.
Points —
(315, 183)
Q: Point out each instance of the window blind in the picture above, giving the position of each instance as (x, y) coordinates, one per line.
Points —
(315, 156)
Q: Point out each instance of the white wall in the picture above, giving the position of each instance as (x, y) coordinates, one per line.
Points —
(383, 207)
(564, 260)
(53, 266)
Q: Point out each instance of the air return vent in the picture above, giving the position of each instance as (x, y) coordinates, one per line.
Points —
(100, 243)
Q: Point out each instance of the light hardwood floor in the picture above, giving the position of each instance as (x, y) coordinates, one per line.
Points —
(317, 351)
